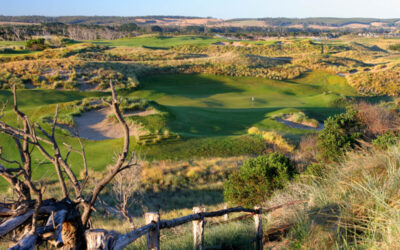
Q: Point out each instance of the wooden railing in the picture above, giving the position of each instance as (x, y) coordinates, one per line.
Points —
(154, 225)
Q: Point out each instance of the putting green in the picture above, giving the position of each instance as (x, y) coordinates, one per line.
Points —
(208, 105)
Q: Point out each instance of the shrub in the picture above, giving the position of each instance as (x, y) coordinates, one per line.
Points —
(257, 179)
(377, 119)
(7, 51)
(340, 133)
(36, 44)
(306, 153)
(385, 140)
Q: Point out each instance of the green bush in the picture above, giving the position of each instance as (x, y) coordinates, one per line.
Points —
(340, 134)
(395, 46)
(7, 51)
(257, 179)
(36, 44)
(385, 140)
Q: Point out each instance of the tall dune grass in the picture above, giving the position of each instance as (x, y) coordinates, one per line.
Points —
(356, 206)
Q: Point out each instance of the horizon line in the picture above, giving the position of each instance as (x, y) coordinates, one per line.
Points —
(203, 17)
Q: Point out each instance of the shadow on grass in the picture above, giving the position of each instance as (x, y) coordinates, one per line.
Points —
(211, 122)
(39, 97)
(236, 235)
(186, 85)
(181, 199)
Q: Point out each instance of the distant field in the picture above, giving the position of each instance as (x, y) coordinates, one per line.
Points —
(16, 45)
(19, 53)
(159, 42)
(12, 43)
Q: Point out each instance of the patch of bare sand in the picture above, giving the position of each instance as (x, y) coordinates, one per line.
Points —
(94, 125)
(299, 125)
(141, 113)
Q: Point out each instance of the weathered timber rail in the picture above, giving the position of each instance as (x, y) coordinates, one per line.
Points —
(154, 225)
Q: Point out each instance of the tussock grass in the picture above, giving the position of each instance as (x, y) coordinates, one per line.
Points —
(273, 138)
(356, 205)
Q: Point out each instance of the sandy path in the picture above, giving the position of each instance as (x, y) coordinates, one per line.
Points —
(94, 125)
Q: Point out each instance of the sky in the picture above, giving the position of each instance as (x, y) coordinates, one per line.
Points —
(215, 8)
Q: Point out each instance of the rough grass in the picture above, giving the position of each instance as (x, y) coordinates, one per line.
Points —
(351, 205)
(237, 235)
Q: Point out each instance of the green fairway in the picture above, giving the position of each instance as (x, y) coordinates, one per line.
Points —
(208, 105)
(314, 89)
(211, 113)
(36, 98)
(159, 41)
(19, 53)
(12, 43)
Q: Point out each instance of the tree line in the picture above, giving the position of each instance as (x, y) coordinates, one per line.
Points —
(93, 32)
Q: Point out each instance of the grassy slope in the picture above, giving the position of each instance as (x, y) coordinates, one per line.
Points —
(215, 109)
(207, 105)
(12, 43)
(160, 42)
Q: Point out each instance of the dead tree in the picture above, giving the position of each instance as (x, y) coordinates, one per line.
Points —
(64, 223)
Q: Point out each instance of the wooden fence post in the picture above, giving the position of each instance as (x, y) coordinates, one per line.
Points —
(258, 226)
(153, 237)
(198, 229)
(226, 216)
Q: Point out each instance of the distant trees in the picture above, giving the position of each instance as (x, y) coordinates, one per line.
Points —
(73, 31)
(85, 30)
(156, 28)
(128, 27)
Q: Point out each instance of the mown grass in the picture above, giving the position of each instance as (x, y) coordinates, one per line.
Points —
(32, 99)
(208, 105)
(222, 146)
(18, 53)
(211, 113)
(12, 43)
(159, 41)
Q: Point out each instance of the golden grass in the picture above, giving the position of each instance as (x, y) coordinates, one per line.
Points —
(272, 137)
(356, 205)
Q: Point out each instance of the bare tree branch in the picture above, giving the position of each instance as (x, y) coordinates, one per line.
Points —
(117, 166)
(3, 108)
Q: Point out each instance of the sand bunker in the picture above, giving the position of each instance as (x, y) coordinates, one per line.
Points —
(94, 125)
(299, 126)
